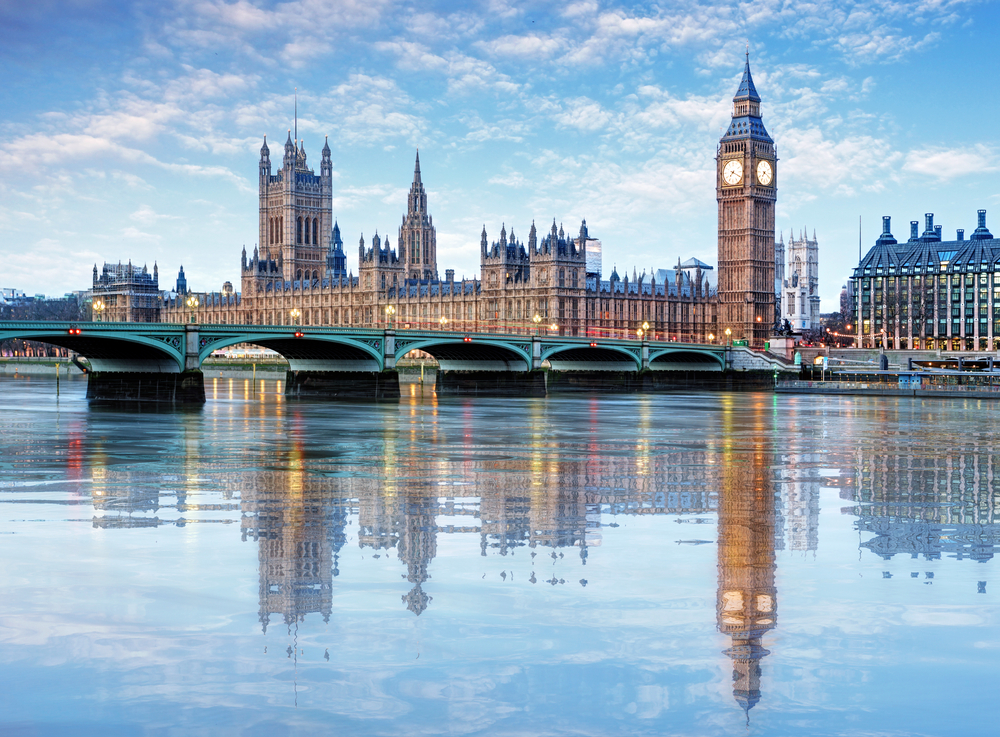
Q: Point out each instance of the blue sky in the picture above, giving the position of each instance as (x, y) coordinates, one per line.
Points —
(132, 130)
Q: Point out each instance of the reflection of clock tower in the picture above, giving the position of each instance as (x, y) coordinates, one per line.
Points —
(746, 192)
(747, 597)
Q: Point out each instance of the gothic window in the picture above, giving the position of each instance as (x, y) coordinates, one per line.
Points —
(572, 278)
(315, 275)
(281, 230)
(383, 281)
(298, 275)
(562, 277)
(298, 231)
(315, 231)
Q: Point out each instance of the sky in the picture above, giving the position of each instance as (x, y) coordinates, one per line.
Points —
(132, 130)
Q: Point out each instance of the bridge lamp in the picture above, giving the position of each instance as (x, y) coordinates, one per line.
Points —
(192, 303)
(639, 333)
(711, 337)
(537, 319)
(553, 327)
(296, 314)
(98, 307)
(729, 334)
(443, 321)
(389, 312)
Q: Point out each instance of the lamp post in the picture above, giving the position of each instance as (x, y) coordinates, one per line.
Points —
(443, 321)
(98, 307)
(296, 314)
(639, 333)
(389, 312)
(192, 303)
(729, 333)
(537, 319)
(645, 329)
(553, 327)
(711, 337)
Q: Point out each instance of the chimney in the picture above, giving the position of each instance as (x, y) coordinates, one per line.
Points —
(913, 230)
(937, 231)
(449, 275)
(886, 220)
(928, 223)
(982, 218)
(961, 234)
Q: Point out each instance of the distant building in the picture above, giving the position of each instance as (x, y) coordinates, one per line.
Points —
(928, 293)
(125, 293)
(800, 288)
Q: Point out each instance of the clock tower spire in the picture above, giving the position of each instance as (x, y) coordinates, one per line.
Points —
(746, 176)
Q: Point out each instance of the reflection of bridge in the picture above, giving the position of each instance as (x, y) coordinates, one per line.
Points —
(159, 361)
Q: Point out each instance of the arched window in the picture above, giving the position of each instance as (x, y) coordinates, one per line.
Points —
(315, 276)
(562, 277)
(298, 230)
(315, 231)
(383, 281)
(298, 275)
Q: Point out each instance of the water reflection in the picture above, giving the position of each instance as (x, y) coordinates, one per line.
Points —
(526, 550)
(928, 503)
(746, 606)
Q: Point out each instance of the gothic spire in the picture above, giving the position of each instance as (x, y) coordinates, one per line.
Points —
(416, 169)
(747, 91)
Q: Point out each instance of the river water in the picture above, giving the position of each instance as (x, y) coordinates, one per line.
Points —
(689, 564)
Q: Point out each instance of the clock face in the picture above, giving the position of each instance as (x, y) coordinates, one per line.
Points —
(764, 173)
(732, 173)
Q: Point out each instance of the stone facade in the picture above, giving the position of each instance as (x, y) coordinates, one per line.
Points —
(545, 284)
(800, 290)
(125, 293)
(746, 191)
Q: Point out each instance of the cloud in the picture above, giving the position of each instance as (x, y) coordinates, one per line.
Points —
(843, 166)
(531, 46)
(372, 109)
(146, 215)
(945, 164)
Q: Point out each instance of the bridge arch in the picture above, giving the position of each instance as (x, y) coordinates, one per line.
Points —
(311, 351)
(599, 357)
(124, 351)
(686, 359)
(457, 352)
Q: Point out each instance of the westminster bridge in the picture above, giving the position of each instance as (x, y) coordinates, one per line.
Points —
(162, 361)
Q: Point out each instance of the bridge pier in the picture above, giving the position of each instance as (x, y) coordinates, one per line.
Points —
(342, 384)
(491, 383)
(187, 387)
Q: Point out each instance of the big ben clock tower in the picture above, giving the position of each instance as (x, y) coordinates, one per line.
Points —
(746, 189)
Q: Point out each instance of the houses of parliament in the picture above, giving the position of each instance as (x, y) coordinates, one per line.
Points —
(297, 272)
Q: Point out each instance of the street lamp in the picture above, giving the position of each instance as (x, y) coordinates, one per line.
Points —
(638, 333)
(296, 314)
(98, 307)
(711, 337)
(443, 321)
(192, 303)
(728, 338)
(389, 312)
(645, 329)
(537, 319)
(553, 327)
